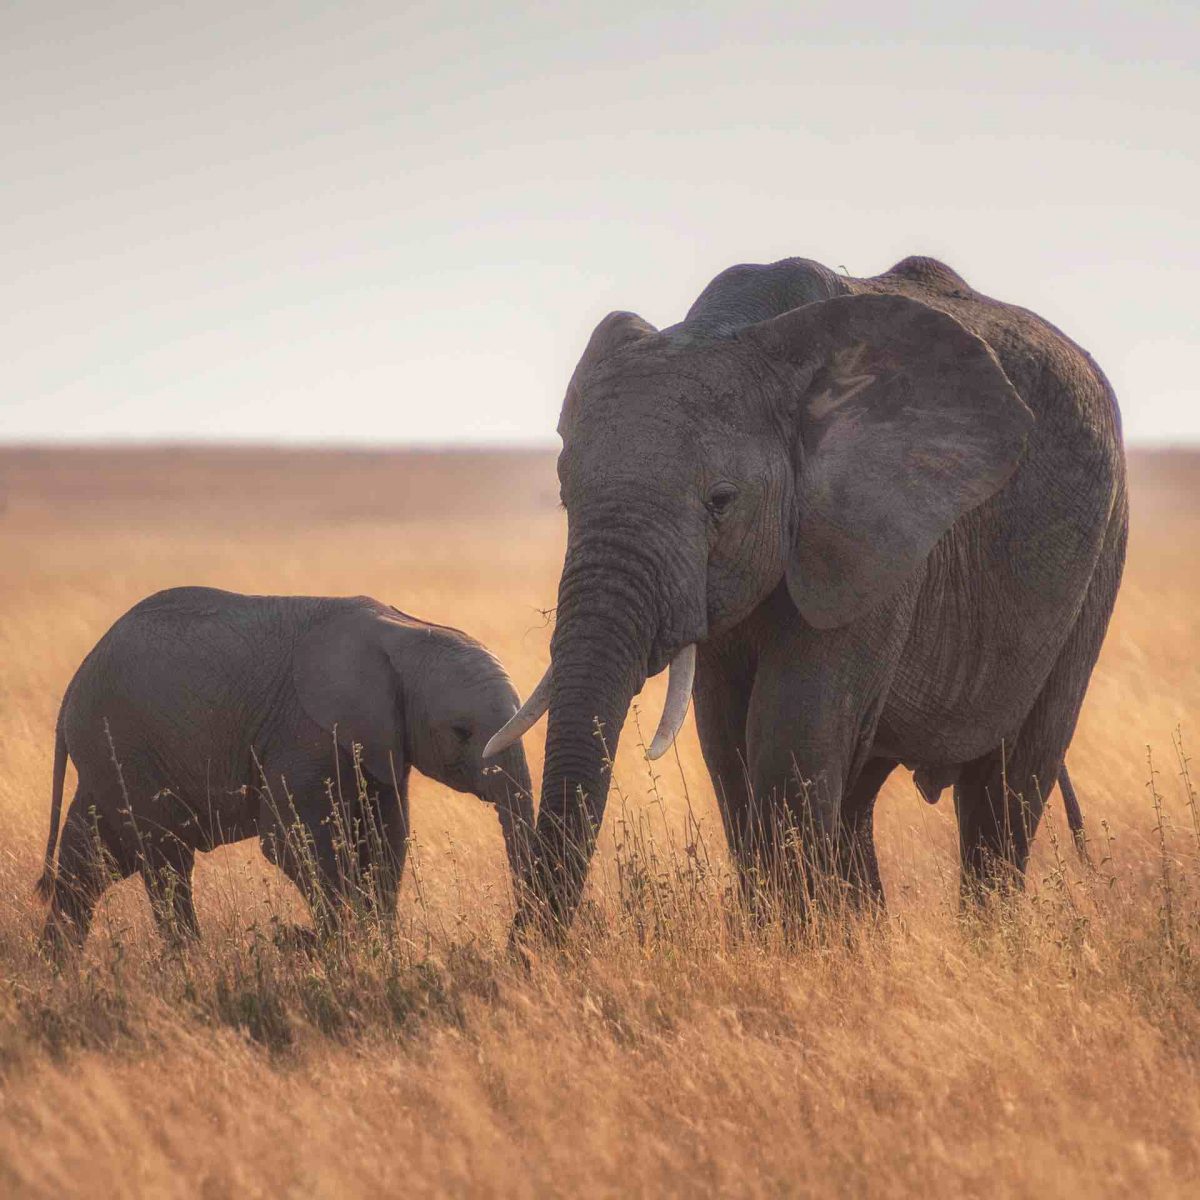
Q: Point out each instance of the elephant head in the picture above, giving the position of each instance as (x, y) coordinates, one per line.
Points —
(420, 695)
(829, 447)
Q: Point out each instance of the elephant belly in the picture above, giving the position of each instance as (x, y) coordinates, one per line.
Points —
(226, 812)
(957, 722)
(209, 792)
(960, 690)
(150, 778)
(998, 601)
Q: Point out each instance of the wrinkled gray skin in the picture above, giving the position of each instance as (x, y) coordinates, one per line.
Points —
(892, 514)
(193, 684)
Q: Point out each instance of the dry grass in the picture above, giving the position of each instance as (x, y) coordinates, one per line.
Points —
(1050, 1050)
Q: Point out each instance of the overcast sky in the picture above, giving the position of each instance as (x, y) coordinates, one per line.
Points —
(399, 222)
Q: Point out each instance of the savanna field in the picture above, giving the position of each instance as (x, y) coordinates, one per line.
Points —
(1048, 1049)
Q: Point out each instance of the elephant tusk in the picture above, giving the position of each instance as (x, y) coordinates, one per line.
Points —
(679, 693)
(524, 719)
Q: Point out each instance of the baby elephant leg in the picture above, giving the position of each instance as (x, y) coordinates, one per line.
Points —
(302, 831)
(166, 868)
(89, 859)
(384, 846)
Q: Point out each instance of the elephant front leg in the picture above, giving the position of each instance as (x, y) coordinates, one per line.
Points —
(384, 847)
(813, 826)
(858, 863)
(753, 731)
(792, 828)
(166, 868)
(722, 700)
(343, 850)
(810, 726)
(302, 828)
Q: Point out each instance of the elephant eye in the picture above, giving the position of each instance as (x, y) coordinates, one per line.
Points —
(720, 498)
(461, 731)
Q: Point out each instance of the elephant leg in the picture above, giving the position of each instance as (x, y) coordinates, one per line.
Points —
(813, 714)
(755, 812)
(857, 860)
(166, 870)
(309, 831)
(383, 847)
(89, 859)
(305, 853)
(794, 824)
(799, 771)
(999, 804)
(999, 798)
(722, 697)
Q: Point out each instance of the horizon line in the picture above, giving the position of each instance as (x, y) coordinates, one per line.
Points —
(431, 446)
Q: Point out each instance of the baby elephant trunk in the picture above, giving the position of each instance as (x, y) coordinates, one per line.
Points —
(510, 789)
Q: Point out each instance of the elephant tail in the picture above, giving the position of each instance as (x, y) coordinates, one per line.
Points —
(1074, 814)
(45, 885)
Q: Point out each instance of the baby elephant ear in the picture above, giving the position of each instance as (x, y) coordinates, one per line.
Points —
(346, 682)
(903, 421)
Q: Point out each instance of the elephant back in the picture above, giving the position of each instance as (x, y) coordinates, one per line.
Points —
(748, 293)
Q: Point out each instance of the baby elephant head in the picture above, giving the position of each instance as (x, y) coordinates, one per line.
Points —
(412, 694)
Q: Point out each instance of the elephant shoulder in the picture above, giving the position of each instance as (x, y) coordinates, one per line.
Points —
(345, 681)
(373, 616)
(187, 601)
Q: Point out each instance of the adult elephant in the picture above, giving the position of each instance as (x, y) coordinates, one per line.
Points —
(883, 521)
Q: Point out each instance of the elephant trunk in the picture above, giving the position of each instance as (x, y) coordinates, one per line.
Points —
(608, 621)
(512, 793)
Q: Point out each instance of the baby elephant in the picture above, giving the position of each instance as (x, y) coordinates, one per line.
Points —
(204, 717)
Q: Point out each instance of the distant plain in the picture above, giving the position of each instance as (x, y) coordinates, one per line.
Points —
(1053, 1049)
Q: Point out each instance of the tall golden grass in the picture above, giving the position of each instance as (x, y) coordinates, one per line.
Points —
(1049, 1049)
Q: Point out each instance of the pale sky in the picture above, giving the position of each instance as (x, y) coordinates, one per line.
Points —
(390, 223)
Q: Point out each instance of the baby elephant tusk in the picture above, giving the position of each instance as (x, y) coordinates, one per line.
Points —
(524, 719)
(679, 693)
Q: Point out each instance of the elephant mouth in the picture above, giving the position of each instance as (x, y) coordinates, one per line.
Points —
(673, 638)
(681, 676)
(660, 659)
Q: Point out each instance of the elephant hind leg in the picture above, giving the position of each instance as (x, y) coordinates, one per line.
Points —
(999, 802)
(88, 861)
(1000, 797)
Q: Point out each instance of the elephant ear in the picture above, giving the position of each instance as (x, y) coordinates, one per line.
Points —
(346, 683)
(615, 332)
(903, 422)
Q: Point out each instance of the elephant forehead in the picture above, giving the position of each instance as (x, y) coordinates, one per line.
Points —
(660, 366)
(621, 444)
(666, 434)
(635, 402)
(637, 392)
(467, 664)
